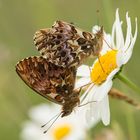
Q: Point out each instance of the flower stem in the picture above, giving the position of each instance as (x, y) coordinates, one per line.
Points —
(129, 83)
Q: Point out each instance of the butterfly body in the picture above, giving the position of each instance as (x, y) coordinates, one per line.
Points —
(66, 45)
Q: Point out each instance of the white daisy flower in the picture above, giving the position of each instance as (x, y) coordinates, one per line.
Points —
(71, 127)
(115, 53)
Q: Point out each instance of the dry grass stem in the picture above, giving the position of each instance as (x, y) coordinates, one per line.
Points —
(115, 93)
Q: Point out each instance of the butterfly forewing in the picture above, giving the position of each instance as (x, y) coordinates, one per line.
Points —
(67, 46)
(49, 80)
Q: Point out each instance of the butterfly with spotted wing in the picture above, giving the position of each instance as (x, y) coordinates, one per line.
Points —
(50, 81)
(66, 45)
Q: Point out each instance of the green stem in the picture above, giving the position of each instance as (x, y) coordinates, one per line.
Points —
(129, 83)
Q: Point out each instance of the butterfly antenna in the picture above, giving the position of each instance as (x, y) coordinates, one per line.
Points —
(101, 64)
(84, 85)
(86, 93)
(89, 69)
(52, 123)
(97, 11)
(105, 41)
(108, 44)
(90, 87)
(98, 21)
(87, 83)
(50, 120)
(87, 103)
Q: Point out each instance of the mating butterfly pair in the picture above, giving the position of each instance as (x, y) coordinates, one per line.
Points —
(63, 48)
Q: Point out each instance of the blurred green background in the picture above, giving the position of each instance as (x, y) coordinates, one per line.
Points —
(19, 19)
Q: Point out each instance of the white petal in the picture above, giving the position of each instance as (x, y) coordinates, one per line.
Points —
(91, 92)
(113, 35)
(99, 111)
(128, 35)
(84, 71)
(120, 58)
(106, 44)
(86, 96)
(128, 52)
(93, 113)
(112, 74)
(88, 116)
(100, 91)
(119, 33)
(31, 131)
(95, 29)
(105, 111)
(91, 121)
(38, 114)
(82, 81)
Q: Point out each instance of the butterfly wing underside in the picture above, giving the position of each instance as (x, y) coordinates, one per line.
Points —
(64, 44)
(48, 80)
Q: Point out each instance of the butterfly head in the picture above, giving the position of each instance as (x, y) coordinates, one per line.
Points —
(70, 103)
(98, 42)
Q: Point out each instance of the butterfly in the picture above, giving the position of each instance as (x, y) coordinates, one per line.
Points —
(66, 45)
(52, 75)
(51, 81)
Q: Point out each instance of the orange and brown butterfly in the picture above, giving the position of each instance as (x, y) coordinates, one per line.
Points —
(51, 81)
(66, 45)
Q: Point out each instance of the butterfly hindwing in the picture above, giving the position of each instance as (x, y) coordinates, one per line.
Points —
(49, 80)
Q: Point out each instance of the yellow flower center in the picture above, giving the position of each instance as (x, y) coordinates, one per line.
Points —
(62, 131)
(103, 67)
